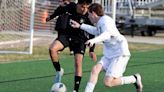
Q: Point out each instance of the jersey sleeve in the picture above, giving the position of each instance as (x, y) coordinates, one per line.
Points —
(90, 29)
(107, 31)
(56, 12)
(102, 37)
(63, 9)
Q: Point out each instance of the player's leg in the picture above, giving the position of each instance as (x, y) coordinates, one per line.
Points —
(71, 50)
(91, 49)
(93, 77)
(92, 53)
(115, 71)
(79, 50)
(57, 45)
(78, 71)
(132, 79)
(53, 51)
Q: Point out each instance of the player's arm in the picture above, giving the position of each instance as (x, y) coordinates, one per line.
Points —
(105, 34)
(92, 54)
(61, 10)
(102, 37)
(88, 28)
(56, 12)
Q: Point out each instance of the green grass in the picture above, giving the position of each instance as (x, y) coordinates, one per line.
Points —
(8, 37)
(38, 76)
(41, 52)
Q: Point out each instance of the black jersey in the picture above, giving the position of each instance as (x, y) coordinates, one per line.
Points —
(63, 9)
(75, 34)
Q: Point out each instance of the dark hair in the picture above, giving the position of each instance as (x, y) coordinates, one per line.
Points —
(67, 0)
(84, 1)
(97, 8)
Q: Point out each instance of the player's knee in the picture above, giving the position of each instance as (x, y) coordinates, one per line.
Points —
(78, 60)
(108, 83)
(52, 50)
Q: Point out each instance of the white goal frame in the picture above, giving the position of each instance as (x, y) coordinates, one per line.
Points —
(30, 39)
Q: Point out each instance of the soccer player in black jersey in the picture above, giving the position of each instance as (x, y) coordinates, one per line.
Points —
(70, 37)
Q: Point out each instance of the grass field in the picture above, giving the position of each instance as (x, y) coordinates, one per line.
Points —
(38, 75)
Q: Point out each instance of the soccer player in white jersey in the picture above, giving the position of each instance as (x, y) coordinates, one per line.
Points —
(115, 51)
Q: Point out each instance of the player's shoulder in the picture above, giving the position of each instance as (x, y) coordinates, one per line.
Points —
(71, 7)
(72, 4)
(106, 18)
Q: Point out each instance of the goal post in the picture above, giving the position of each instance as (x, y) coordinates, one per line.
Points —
(32, 26)
(17, 22)
(16, 26)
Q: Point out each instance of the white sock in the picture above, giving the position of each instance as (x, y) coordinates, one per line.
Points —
(90, 87)
(128, 80)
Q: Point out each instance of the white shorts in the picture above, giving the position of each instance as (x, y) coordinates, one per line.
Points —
(114, 67)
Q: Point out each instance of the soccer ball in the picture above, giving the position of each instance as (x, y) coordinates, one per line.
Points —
(58, 87)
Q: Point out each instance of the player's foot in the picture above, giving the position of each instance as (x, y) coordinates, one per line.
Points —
(59, 52)
(138, 83)
(93, 56)
(71, 52)
(59, 75)
(74, 91)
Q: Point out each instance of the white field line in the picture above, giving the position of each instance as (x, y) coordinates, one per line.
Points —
(17, 41)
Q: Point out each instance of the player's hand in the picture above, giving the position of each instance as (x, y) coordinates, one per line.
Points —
(74, 24)
(89, 43)
(48, 19)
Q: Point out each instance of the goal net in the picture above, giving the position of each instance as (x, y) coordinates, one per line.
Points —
(16, 26)
(17, 23)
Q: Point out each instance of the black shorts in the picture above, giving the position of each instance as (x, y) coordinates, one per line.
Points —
(78, 47)
(64, 40)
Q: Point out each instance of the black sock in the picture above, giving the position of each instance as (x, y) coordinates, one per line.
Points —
(77, 83)
(56, 66)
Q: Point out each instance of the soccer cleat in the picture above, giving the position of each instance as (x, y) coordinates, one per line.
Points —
(74, 91)
(59, 75)
(138, 83)
(71, 53)
(59, 52)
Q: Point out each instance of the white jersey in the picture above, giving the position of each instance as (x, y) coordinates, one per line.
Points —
(114, 44)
